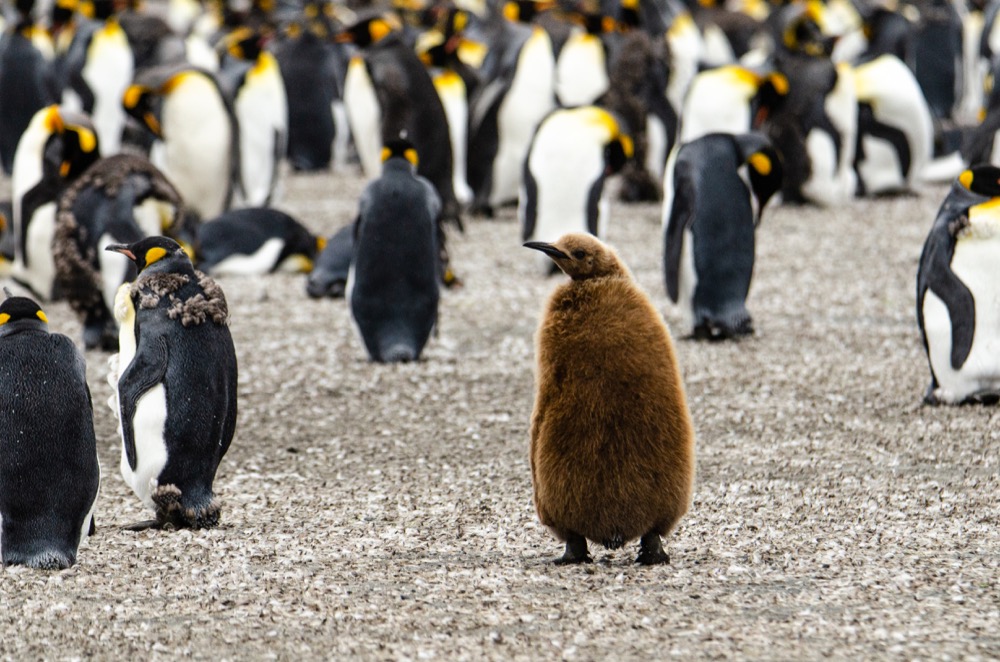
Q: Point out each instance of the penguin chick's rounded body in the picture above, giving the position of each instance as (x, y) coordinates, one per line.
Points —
(612, 444)
(49, 474)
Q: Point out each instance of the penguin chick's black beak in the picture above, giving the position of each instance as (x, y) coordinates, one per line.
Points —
(548, 249)
(121, 248)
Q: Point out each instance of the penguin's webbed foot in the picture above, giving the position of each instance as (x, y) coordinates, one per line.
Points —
(651, 550)
(576, 551)
(171, 512)
(144, 525)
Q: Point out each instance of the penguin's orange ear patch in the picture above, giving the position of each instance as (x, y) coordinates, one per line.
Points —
(4, 318)
(41, 316)
(760, 162)
(411, 156)
(132, 95)
(87, 138)
(155, 253)
(965, 179)
(386, 154)
(320, 244)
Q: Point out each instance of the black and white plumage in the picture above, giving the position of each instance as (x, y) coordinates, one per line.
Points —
(48, 487)
(957, 292)
(256, 241)
(175, 383)
(714, 193)
(329, 275)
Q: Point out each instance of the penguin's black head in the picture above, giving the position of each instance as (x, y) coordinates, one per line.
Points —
(802, 32)
(581, 256)
(772, 91)
(766, 173)
(143, 103)
(72, 144)
(524, 11)
(163, 252)
(983, 179)
(400, 148)
(62, 13)
(20, 313)
(103, 9)
(245, 43)
(369, 31)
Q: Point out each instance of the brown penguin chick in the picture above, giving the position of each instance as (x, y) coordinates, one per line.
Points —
(612, 445)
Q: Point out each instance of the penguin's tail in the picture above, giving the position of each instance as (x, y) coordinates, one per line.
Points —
(616, 541)
(171, 509)
(399, 353)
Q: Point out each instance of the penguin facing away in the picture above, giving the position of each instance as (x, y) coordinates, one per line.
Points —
(957, 292)
(256, 241)
(175, 384)
(574, 150)
(713, 201)
(122, 198)
(26, 84)
(612, 443)
(48, 487)
(393, 284)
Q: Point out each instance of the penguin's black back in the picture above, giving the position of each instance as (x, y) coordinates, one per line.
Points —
(244, 231)
(395, 291)
(49, 473)
(26, 86)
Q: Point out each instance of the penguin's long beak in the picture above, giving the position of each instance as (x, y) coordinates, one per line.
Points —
(548, 249)
(121, 248)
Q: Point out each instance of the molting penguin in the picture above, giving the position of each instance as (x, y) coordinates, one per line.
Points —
(393, 288)
(27, 83)
(612, 444)
(175, 384)
(712, 204)
(506, 110)
(329, 275)
(122, 198)
(48, 487)
(895, 129)
(55, 149)
(256, 241)
(390, 72)
(572, 153)
(197, 136)
(261, 109)
(957, 292)
(99, 67)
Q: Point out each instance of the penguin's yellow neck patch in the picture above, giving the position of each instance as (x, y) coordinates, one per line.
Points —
(87, 138)
(320, 243)
(154, 254)
(760, 162)
(176, 81)
(965, 179)
(133, 94)
(4, 318)
(41, 315)
(53, 120)
(984, 220)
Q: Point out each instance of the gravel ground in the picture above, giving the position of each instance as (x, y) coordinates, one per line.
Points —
(385, 511)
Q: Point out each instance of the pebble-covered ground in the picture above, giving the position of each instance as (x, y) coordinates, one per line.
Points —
(384, 512)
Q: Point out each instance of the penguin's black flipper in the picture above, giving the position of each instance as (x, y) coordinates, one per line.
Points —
(868, 125)
(146, 370)
(677, 223)
(935, 274)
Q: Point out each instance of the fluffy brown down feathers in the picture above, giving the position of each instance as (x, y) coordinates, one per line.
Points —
(612, 444)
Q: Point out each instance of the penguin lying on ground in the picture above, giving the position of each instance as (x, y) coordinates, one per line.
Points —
(48, 487)
(56, 149)
(175, 384)
(329, 275)
(574, 150)
(256, 241)
(612, 444)
(392, 289)
(957, 292)
(712, 202)
(122, 198)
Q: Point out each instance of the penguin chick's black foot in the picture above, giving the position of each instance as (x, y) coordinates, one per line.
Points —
(171, 511)
(576, 551)
(651, 550)
(144, 525)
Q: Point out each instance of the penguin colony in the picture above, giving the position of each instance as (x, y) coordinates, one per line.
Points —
(145, 148)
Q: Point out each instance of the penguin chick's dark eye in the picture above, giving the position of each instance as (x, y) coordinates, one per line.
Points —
(579, 255)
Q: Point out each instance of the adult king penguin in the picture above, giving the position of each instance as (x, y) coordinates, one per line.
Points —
(49, 474)
(572, 153)
(175, 384)
(256, 241)
(392, 287)
(612, 444)
(197, 136)
(957, 292)
(712, 205)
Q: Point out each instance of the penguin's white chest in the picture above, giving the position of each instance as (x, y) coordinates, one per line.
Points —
(976, 262)
(364, 116)
(581, 71)
(37, 268)
(108, 73)
(451, 90)
(150, 448)
(262, 111)
(261, 261)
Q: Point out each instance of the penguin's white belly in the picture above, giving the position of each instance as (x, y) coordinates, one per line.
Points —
(114, 269)
(40, 271)
(153, 216)
(451, 89)
(827, 185)
(260, 261)
(365, 117)
(342, 135)
(687, 280)
(880, 170)
(656, 146)
(581, 71)
(150, 449)
(995, 152)
(975, 264)
(108, 73)
(262, 112)
(527, 101)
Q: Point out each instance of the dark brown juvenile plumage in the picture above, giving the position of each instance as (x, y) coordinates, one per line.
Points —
(612, 445)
